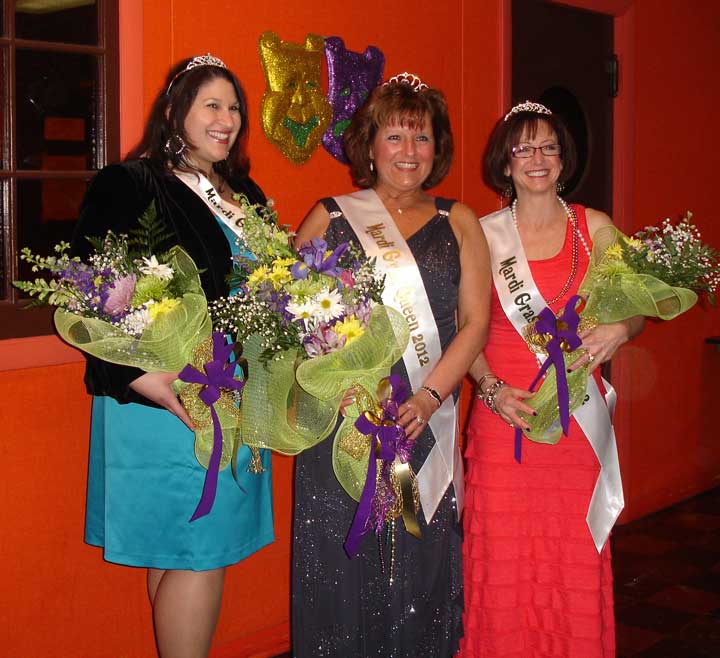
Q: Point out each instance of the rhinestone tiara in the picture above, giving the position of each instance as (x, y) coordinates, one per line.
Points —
(200, 60)
(406, 78)
(527, 106)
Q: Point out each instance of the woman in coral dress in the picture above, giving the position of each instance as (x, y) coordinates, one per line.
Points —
(538, 580)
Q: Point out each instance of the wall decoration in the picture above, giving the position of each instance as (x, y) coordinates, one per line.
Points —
(294, 111)
(351, 77)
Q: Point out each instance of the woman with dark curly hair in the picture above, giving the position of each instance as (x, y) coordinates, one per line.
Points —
(144, 480)
(400, 597)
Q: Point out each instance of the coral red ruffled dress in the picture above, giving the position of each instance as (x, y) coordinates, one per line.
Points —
(535, 585)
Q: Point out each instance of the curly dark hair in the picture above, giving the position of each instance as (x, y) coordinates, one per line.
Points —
(507, 134)
(167, 118)
(398, 104)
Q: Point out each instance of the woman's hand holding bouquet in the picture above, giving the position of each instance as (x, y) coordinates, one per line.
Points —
(131, 306)
(656, 273)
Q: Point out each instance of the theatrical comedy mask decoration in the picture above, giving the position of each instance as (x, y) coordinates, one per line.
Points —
(351, 77)
(294, 110)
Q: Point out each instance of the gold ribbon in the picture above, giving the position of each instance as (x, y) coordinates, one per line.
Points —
(402, 476)
(228, 410)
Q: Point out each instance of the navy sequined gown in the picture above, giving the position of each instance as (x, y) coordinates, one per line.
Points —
(346, 608)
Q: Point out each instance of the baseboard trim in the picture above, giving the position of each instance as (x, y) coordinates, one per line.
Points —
(266, 643)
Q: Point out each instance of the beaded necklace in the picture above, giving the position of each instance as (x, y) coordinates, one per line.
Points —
(577, 236)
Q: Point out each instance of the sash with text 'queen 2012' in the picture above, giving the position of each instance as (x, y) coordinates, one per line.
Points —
(404, 291)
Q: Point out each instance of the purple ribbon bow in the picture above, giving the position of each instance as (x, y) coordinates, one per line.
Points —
(218, 374)
(386, 442)
(563, 338)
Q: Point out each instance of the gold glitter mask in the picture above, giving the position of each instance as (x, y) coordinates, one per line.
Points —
(294, 110)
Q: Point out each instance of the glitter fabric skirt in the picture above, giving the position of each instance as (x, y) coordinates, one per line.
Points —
(344, 608)
(144, 484)
(535, 585)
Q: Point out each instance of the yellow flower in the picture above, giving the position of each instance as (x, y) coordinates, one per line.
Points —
(614, 253)
(279, 276)
(258, 275)
(163, 306)
(350, 327)
(633, 243)
(284, 262)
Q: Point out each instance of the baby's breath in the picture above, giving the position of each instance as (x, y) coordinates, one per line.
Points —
(676, 255)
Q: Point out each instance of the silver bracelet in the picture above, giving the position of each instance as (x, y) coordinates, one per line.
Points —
(489, 397)
(481, 381)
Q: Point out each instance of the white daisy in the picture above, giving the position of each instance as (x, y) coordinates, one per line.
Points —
(328, 305)
(153, 268)
(301, 311)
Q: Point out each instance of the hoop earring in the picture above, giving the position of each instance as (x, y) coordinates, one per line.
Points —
(559, 186)
(175, 145)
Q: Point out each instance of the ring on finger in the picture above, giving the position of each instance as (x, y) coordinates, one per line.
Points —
(420, 420)
(591, 358)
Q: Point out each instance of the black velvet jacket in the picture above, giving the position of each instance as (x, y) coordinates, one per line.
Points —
(115, 200)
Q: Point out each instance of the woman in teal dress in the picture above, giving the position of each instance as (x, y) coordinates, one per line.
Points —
(144, 481)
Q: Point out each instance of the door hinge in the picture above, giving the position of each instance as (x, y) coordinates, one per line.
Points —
(612, 68)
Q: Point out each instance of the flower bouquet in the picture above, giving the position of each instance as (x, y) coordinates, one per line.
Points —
(129, 306)
(312, 327)
(656, 273)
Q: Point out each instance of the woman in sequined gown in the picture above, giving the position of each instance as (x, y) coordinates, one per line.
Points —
(536, 586)
(400, 597)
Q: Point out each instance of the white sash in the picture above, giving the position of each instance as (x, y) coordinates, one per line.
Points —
(521, 300)
(404, 291)
(228, 214)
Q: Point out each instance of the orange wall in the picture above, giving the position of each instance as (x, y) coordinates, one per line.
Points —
(60, 599)
(669, 399)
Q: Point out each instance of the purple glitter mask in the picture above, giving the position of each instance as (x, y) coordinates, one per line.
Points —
(351, 77)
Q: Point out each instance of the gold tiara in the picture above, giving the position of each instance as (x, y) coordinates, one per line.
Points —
(527, 106)
(200, 60)
(406, 78)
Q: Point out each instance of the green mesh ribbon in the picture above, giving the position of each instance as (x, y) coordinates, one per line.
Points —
(166, 345)
(171, 341)
(291, 404)
(614, 292)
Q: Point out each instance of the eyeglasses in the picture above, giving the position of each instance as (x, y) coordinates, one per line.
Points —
(527, 151)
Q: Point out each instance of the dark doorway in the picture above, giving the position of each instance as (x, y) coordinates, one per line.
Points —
(563, 58)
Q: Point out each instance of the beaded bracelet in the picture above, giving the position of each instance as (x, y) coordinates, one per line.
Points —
(433, 394)
(489, 397)
(481, 381)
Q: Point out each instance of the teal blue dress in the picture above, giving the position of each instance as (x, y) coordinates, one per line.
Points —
(144, 484)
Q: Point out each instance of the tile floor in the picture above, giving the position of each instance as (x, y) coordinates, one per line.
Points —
(667, 582)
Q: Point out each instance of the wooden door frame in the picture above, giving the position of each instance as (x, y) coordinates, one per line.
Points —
(623, 160)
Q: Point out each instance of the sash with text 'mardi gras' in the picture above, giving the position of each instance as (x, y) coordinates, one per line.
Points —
(228, 214)
(522, 302)
(404, 291)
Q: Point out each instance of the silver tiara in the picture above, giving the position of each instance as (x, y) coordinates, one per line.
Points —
(527, 106)
(200, 60)
(406, 78)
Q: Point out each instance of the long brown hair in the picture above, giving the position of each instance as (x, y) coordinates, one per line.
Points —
(167, 120)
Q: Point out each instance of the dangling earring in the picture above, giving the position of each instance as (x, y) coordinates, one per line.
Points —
(372, 166)
(508, 190)
(175, 145)
(559, 186)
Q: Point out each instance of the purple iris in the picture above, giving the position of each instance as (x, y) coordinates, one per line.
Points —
(313, 258)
